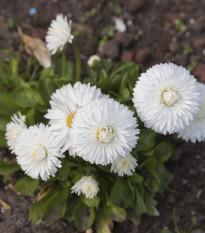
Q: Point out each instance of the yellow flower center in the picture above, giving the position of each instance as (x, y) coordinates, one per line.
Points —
(39, 153)
(105, 135)
(69, 119)
(89, 189)
(169, 97)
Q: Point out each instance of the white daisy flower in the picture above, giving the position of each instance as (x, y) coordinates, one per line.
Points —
(65, 102)
(59, 33)
(195, 130)
(103, 131)
(13, 129)
(124, 166)
(87, 186)
(37, 153)
(93, 59)
(167, 98)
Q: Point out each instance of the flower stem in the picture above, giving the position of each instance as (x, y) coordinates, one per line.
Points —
(78, 62)
(63, 63)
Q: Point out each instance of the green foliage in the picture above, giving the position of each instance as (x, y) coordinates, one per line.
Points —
(192, 66)
(8, 106)
(115, 8)
(84, 216)
(180, 25)
(187, 49)
(8, 168)
(91, 202)
(26, 97)
(26, 185)
(54, 202)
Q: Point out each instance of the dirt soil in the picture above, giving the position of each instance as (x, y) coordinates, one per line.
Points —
(151, 37)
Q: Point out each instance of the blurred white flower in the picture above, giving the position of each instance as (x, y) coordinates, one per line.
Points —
(167, 98)
(104, 131)
(87, 186)
(59, 33)
(13, 129)
(37, 153)
(195, 131)
(120, 26)
(65, 102)
(93, 59)
(124, 166)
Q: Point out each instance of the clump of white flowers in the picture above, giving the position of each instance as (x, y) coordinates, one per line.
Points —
(87, 186)
(13, 129)
(167, 98)
(59, 33)
(124, 166)
(37, 152)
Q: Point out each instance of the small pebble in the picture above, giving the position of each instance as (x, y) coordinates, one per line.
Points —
(129, 23)
(191, 21)
(198, 194)
(3, 210)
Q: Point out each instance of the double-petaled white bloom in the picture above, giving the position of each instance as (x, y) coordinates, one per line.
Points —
(167, 98)
(93, 59)
(195, 131)
(37, 153)
(13, 129)
(59, 33)
(65, 102)
(124, 166)
(104, 131)
(87, 186)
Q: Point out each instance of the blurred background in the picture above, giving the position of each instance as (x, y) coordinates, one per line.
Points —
(147, 32)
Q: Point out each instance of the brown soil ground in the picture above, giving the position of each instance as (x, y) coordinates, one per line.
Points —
(151, 38)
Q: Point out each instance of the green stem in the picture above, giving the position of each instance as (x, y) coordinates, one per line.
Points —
(78, 62)
(63, 63)
(174, 221)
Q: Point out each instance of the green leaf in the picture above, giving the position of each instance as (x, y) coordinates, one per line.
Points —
(64, 171)
(140, 204)
(26, 185)
(103, 223)
(26, 97)
(3, 142)
(59, 82)
(148, 165)
(91, 202)
(54, 202)
(124, 92)
(8, 106)
(116, 213)
(48, 72)
(136, 178)
(8, 168)
(46, 88)
(133, 74)
(70, 209)
(4, 119)
(83, 216)
(121, 195)
(163, 152)
(146, 140)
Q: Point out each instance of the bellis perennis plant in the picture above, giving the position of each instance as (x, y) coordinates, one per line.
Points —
(88, 152)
